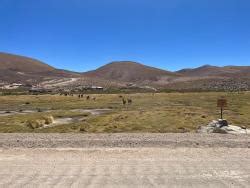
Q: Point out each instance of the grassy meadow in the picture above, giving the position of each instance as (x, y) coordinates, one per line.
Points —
(157, 113)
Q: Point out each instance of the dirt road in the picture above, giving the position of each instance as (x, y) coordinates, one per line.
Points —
(123, 140)
(148, 163)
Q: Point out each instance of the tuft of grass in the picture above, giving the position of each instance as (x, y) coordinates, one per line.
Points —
(34, 124)
(40, 122)
(48, 119)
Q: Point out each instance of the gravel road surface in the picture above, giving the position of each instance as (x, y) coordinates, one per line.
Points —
(123, 140)
(124, 160)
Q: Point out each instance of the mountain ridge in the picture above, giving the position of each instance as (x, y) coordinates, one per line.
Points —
(129, 71)
(16, 68)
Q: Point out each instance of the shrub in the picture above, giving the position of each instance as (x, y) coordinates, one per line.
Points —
(38, 123)
(34, 124)
(48, 119)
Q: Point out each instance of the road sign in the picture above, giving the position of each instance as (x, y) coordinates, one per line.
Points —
(221, 103)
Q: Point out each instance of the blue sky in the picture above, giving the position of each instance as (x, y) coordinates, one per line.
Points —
(82, 35)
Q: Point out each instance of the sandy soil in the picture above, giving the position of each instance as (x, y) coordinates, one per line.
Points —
(124, 160)
(133, 140)
(125, 167)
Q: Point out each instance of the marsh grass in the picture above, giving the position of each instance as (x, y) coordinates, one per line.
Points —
(162, 112)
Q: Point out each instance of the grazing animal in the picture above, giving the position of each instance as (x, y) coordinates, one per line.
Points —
(88, 97)
(94, 98)
(124, 102)
(120, 96)
(79, 96)
(129, 101)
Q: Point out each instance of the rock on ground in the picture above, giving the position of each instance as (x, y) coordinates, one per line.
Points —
(221, 126)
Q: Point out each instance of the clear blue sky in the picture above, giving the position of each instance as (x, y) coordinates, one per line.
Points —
(84, 34)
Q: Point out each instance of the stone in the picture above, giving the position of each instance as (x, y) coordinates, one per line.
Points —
(219, 130)
(221, 126)
(222, 123)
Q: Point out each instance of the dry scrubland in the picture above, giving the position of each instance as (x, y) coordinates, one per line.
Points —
(157, 113)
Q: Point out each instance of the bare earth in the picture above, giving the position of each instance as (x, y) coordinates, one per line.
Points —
(124, 160)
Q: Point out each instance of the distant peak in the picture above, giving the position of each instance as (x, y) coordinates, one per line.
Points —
(124, 62)
(205, 66)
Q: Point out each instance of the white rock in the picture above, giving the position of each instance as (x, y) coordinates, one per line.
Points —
(215, 127)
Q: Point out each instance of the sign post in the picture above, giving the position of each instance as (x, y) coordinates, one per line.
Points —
(221, 103)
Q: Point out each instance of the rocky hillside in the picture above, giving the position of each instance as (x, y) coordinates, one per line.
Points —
(127, 71)
(213, 71)
(229, 78)
(15, 68)
(9, 62)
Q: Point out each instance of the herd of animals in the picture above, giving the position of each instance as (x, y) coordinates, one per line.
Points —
(124, 100)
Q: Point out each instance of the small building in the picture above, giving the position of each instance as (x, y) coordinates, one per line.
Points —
(97, 88)
(93, 88)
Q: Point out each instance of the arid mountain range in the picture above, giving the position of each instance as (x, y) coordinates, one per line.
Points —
(20, 69)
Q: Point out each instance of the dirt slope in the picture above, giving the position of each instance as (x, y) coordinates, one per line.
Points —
(213, 71)
(15, 68)
(127, 71)
(9, 62)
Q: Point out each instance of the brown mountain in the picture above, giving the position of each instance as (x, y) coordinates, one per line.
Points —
(213, 71)
(22, 64)
(230, 78)
(15, 68)
(202, 78)
(127, 71)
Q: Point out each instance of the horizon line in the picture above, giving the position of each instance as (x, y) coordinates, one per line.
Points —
(119, 61)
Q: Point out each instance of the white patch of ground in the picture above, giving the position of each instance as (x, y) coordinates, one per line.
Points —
(21, 73)
(64, 121)
(24, 112)
(10, 113)
(215, 127)
(92, 111)
(58, 82)
(59, 121)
